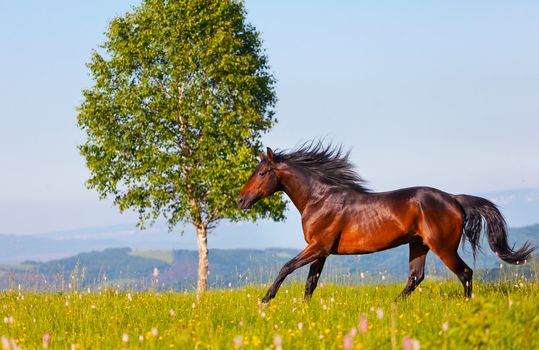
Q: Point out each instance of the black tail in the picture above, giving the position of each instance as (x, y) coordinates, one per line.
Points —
(479, 212)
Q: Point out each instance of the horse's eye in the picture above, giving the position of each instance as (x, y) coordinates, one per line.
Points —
(262, 173)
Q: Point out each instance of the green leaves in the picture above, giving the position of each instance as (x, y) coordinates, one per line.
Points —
(182, 93)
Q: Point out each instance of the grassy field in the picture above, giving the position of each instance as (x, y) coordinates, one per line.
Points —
(499, 316)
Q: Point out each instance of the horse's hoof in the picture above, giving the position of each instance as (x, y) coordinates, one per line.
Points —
(265, 300)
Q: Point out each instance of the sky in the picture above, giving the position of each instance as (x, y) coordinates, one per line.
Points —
(437, 93)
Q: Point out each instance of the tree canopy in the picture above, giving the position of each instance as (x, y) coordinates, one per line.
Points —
(182, 94)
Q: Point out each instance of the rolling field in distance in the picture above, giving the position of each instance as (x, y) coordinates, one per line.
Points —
(499, 316)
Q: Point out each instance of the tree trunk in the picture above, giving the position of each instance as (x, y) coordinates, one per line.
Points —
(202, 239)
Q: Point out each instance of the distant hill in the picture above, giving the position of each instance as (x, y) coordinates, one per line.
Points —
(229, 267)
(527, 233)
(520, 207)
(134, 269)
(126, 255)
(62, 244)
(17, 248)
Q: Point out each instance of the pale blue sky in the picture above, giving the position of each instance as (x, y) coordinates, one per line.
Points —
(439, 93)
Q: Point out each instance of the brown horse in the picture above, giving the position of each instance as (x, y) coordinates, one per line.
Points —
(339, 215)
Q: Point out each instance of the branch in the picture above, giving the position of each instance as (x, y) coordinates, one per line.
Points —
(163, 87)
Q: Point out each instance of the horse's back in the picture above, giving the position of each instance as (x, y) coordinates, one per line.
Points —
(383, 220)
(440, 216)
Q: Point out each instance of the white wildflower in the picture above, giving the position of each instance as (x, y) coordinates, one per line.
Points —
(238, 341)
(379, 313)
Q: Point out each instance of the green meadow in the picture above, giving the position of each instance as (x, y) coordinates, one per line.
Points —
(499, 316)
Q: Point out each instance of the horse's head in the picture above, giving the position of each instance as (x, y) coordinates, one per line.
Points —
(262, 183)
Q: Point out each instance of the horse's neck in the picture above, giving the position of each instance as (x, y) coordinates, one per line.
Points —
(298, 186)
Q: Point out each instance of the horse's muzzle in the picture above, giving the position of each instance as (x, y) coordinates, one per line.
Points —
(243, 203)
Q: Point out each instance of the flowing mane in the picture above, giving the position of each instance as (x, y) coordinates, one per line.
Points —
(328, 163)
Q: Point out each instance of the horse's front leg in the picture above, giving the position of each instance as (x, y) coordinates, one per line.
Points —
(308, 255)
(314, 275)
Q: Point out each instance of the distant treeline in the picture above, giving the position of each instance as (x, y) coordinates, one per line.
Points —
(176, 270)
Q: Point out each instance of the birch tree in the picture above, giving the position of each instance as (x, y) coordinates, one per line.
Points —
(182, 93)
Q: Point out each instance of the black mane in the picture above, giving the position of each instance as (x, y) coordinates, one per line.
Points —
(329, 163)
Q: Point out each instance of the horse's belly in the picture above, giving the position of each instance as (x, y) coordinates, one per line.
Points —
(364, 241)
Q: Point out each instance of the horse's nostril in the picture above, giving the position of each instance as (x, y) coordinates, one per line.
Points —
(240, 201)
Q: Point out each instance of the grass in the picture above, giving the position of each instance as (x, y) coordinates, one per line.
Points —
(500, 316)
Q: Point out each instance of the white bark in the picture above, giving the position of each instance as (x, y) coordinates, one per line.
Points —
(202, 238)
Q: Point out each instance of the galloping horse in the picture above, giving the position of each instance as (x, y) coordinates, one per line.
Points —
(339, 215)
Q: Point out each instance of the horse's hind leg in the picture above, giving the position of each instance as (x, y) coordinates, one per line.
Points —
(447, 252)
(418, 254)
(443, 235)
(459, 268)
(314, 274)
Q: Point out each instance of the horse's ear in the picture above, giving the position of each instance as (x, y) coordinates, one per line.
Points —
(261, 156)
(269, 154)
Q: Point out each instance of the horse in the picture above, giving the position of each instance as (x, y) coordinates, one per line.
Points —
(341, 216)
